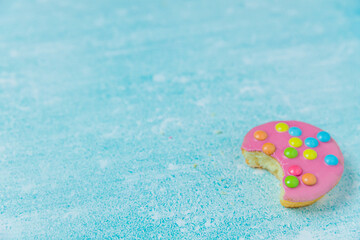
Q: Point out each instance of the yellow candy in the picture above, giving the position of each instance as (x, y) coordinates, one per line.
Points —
(281, 127)
(310, 154)
(295, 142)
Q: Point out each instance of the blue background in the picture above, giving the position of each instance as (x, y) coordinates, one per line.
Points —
(125, 119)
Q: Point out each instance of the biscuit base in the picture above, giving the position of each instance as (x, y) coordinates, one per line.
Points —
(260, 160)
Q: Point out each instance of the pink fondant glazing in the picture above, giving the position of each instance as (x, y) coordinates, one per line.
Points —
(327, 175)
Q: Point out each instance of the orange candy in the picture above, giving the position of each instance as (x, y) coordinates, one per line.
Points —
(268, 148)
(260, 135)
(309, 179)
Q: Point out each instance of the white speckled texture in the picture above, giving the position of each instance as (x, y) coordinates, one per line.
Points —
(124, 119)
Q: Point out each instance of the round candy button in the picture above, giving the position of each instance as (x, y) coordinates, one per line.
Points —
(295, 131)
(268, 148)
(295, 142)
(331, 160)
(310, 154)
(295, 170)
(290, 152)
(281, 127)
(308, 179)
(323, 136)
(311, 142)
(260, 135)
(291, 181)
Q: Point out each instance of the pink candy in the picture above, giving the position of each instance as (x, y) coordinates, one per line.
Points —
(295, 170)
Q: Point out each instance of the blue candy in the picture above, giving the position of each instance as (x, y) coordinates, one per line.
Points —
(311, 142)
(323, 136)
(331, 160)
(295, 131)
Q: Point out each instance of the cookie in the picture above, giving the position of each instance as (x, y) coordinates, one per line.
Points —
(306, 159)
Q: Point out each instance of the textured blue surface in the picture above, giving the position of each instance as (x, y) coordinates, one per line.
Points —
(125, 119)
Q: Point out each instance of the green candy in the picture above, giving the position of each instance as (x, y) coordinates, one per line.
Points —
(291, 181)
(290, 152)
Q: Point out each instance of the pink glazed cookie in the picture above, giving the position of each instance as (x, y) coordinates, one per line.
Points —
(305, 158)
